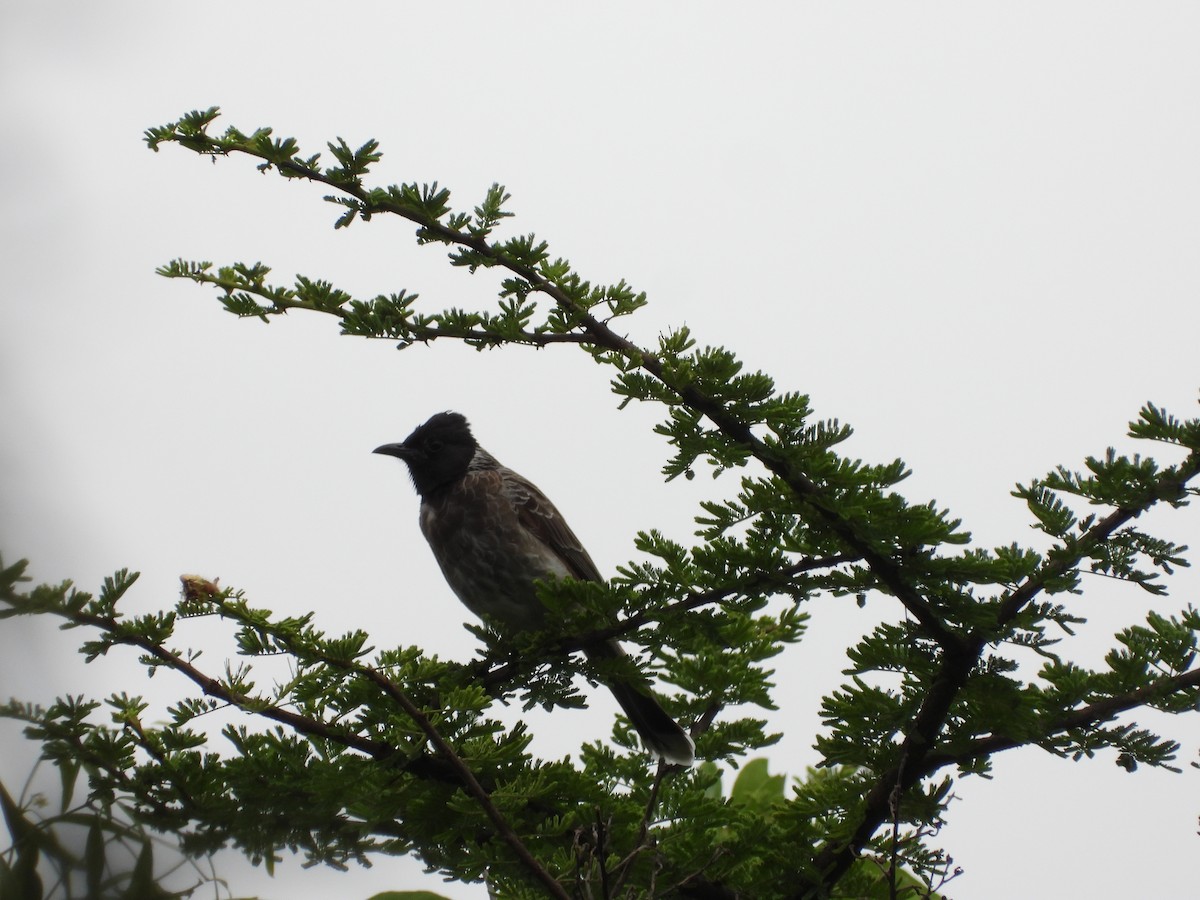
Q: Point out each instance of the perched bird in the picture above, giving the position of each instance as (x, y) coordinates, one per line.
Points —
(494, 534)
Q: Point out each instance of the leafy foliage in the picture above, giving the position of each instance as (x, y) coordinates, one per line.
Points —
(364, 750)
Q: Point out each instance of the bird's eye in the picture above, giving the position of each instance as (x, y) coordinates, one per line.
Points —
(434, 446)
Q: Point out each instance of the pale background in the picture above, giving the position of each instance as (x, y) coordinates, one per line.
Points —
(968, 230)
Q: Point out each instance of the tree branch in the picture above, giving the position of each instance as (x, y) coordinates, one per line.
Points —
(1084, 717)
(1055, 568)
(213, 687)
(417, 333)
(316, 728)
(833, 860)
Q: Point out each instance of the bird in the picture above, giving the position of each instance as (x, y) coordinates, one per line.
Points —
(494, 535)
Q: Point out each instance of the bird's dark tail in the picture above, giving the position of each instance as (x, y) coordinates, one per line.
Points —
(661, 734)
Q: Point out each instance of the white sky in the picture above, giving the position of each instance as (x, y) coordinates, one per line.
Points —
(968, 230)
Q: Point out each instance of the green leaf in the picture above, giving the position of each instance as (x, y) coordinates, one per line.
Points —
(94, 857)
(23, 882)
(755, 786)
(68, 772)
(142, 885)
(22, 830)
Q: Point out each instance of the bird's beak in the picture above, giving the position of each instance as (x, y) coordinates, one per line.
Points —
(400, 451)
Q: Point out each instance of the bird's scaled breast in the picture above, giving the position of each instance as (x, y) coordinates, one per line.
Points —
(487, 556)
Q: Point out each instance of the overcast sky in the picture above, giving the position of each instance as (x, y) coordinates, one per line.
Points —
(970, 231)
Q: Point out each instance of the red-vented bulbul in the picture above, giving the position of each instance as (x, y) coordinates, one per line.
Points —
(494, 534)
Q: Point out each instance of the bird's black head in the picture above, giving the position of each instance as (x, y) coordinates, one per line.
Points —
(437, 453)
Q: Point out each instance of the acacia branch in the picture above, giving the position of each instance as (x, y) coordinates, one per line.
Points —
(930, 721)
(421, 333)
(414, 333)
(1084, 717)
(315, 728)
(474, 788)
(763, 581)
(1172, 482)
(213, 687)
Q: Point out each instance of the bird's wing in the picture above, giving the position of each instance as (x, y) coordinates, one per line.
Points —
(539, 517)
